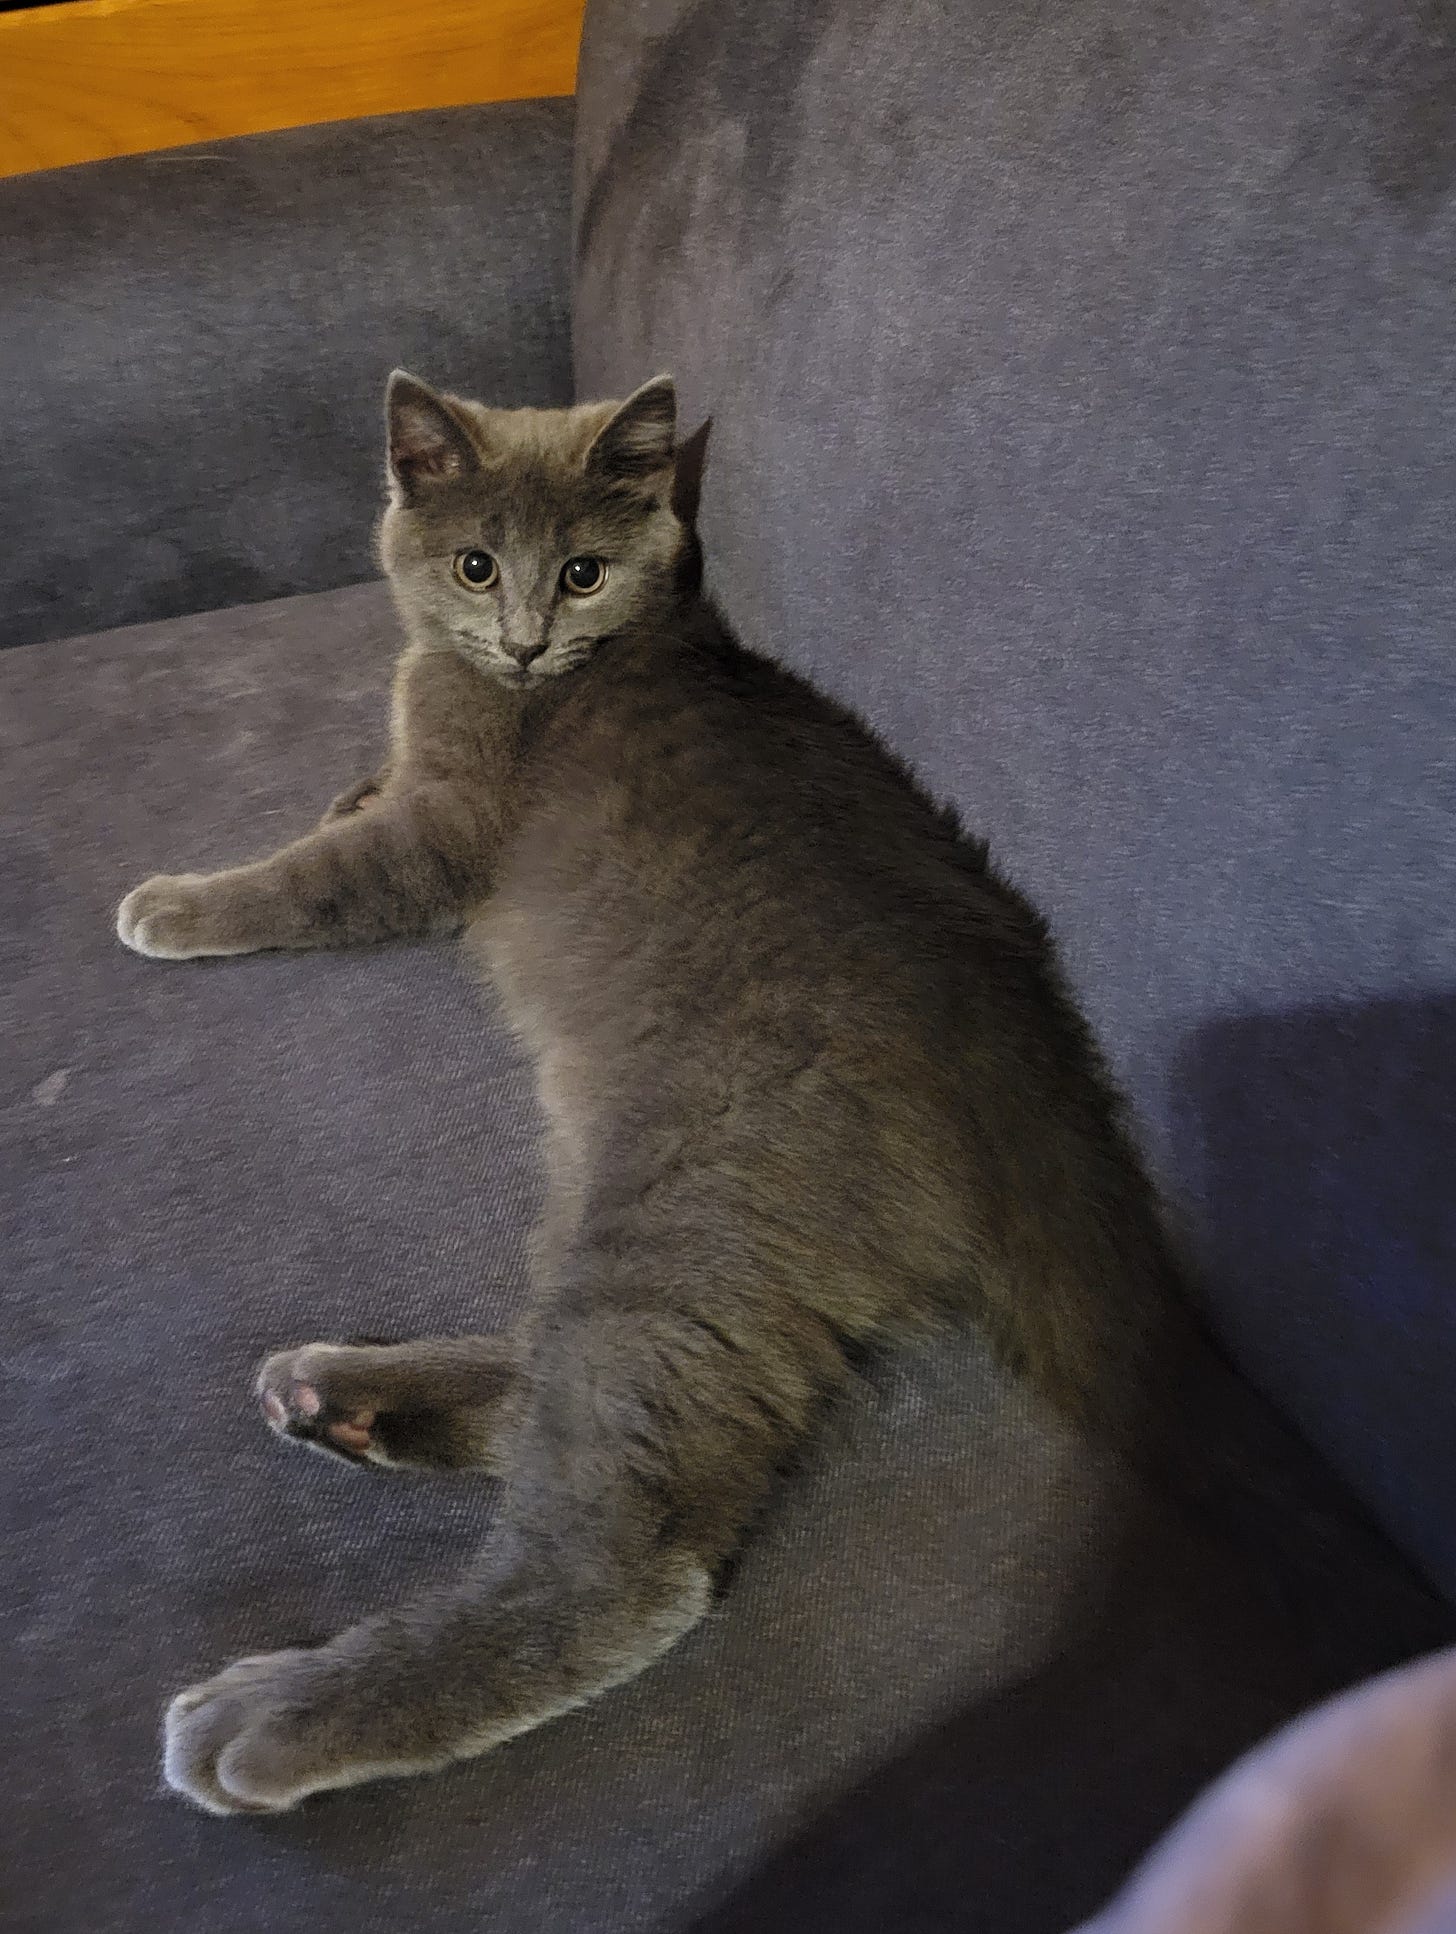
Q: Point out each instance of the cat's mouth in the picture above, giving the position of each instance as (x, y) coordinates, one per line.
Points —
(552, 665)
(510, 671)
(495, 664)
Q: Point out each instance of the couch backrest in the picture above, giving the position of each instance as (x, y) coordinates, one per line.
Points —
(1084, 395)
(194, 345)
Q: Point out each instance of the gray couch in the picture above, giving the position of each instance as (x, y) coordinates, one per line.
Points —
(1081, 382)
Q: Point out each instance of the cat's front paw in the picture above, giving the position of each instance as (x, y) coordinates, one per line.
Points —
(168, 918)
(240, 1742)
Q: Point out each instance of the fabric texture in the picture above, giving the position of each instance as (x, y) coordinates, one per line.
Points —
(203, 1162)
(195, 346)
(1080, 384)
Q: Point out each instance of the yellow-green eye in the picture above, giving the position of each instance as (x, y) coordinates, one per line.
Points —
(582, 576)
(476, 570)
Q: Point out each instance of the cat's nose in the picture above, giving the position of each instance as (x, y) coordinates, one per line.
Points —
(526, 654)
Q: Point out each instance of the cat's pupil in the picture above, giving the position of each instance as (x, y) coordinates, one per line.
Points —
(583, 574)
(477, 567)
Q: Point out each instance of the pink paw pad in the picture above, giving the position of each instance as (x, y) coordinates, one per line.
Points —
(298, 1409)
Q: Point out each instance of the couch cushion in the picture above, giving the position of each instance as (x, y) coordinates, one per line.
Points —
(203, 1162)
(1080, 379)
(195, 346)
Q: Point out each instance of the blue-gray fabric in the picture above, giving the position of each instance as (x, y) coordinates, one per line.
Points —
(1082, 389)
(194, 346)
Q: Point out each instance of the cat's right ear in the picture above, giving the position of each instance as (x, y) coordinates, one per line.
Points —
(428, 445)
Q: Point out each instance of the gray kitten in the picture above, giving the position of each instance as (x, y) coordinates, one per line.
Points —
(811, 1078)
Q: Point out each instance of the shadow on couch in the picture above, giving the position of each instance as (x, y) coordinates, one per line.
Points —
(1026, 1810)
(1323, 1147)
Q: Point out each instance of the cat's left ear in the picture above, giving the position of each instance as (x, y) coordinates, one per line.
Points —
(638, 441)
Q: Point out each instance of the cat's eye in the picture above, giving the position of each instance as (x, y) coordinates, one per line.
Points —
(476, 570)
(582, 576)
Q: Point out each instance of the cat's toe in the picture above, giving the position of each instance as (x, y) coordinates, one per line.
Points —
(355, 799)
(293, 1391)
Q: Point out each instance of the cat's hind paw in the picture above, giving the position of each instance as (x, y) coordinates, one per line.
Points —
(294, 1391)
(242, 1742)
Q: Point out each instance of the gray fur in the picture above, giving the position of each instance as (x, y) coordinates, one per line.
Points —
(811, 1077)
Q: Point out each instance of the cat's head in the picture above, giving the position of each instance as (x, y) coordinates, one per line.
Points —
(524, 538)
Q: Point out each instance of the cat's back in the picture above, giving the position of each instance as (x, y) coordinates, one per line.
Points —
(742, 945)
(700, 828)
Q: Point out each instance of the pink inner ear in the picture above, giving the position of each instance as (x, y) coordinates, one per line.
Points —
(428, 462)
(423, 448)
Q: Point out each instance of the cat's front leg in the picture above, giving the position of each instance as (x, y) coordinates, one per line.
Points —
(357, 798)
(405, 866)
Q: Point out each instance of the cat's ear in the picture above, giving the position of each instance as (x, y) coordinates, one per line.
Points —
(637, 442)
(428, 445)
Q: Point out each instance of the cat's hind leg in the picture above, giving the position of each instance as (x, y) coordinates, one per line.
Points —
(632, 1471)
(445, 1678)
(441, 1403)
